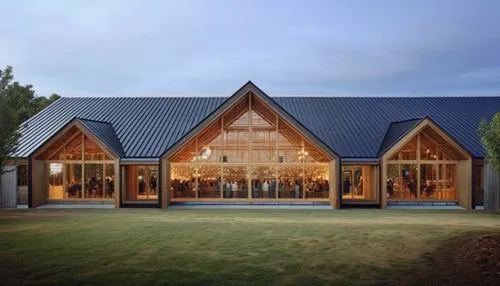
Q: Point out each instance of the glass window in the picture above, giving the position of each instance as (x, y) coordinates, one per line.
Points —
(209, 181)
(401, 181)
(109, 189)
(94, 184)
(55, 181)
(234, 180)
(92, 151)
(74, 148)
(263, 182)
(316, 183)
(359, 182)
(183, 182)
(147, 182)
(218, 164)
(408, 152)
(291, 182)
(73, 181)
(22, 175)
(428, 181)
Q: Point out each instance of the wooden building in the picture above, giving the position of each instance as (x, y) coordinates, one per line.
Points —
(250, 148)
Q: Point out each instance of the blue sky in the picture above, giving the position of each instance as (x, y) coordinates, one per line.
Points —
(206, 48)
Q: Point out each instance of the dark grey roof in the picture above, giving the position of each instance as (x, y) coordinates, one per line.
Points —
(106, 133)
(396, 131)
(353, 127)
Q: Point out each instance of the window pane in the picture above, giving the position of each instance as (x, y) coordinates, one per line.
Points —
(438, 182)
(210, 144)
(73, 181)
(183, 182)
(110, 181)
(235, 146)
(316, 182)
(359, 182)
(209, 181)
(93, 151)
(94, 181)
(22, 175)
(74, 148)
(264, 146)
(401, 181)
(291, 182)
(234, 179)
(408, 152)
(55, 181)
(147, 182)
(263, 182)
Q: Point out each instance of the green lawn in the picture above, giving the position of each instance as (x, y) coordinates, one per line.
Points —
(237, 247)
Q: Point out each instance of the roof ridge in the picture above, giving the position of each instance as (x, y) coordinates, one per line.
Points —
(288, 96)
(92, 120)
(411, 119)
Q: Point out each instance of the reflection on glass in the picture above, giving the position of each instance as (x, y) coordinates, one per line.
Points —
(55, 181)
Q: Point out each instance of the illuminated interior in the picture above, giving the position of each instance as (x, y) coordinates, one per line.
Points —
(78, 168)
(142, 183)
(424, 169)
(249, 153)
(359, 182)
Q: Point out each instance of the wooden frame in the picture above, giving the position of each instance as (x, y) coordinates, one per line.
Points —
(39, 186)
(261, 105)
(463, 166)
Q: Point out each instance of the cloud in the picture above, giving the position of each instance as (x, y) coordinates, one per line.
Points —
(115, 48)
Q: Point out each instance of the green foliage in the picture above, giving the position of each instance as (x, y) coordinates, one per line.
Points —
(17, 104)
(490, 137)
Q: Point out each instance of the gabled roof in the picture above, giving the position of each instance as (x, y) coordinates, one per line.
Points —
(396, 131)
(239, 94)
(105, 132)
(353, 127)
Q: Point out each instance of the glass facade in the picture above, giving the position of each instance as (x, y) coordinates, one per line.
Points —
(80, 169)
(424, 169)
(249, 153)
(359, 182)
(142, 183)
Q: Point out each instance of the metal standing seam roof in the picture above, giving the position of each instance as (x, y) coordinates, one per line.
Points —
(396, 131)
(354, 127)
(105, 132)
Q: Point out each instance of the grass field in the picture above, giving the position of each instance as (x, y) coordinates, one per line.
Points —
(236, 247)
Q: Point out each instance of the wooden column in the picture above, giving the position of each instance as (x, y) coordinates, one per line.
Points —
(333, 169)
(166, 183)
(418, 167)
(250, 137)
(383, 183)
(117, 183)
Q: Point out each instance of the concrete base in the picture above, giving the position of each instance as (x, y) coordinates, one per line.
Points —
(77, 206)
(249, 207)
(416, 207)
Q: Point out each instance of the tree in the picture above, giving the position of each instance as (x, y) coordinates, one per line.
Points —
(17, 104)
(490, 137)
